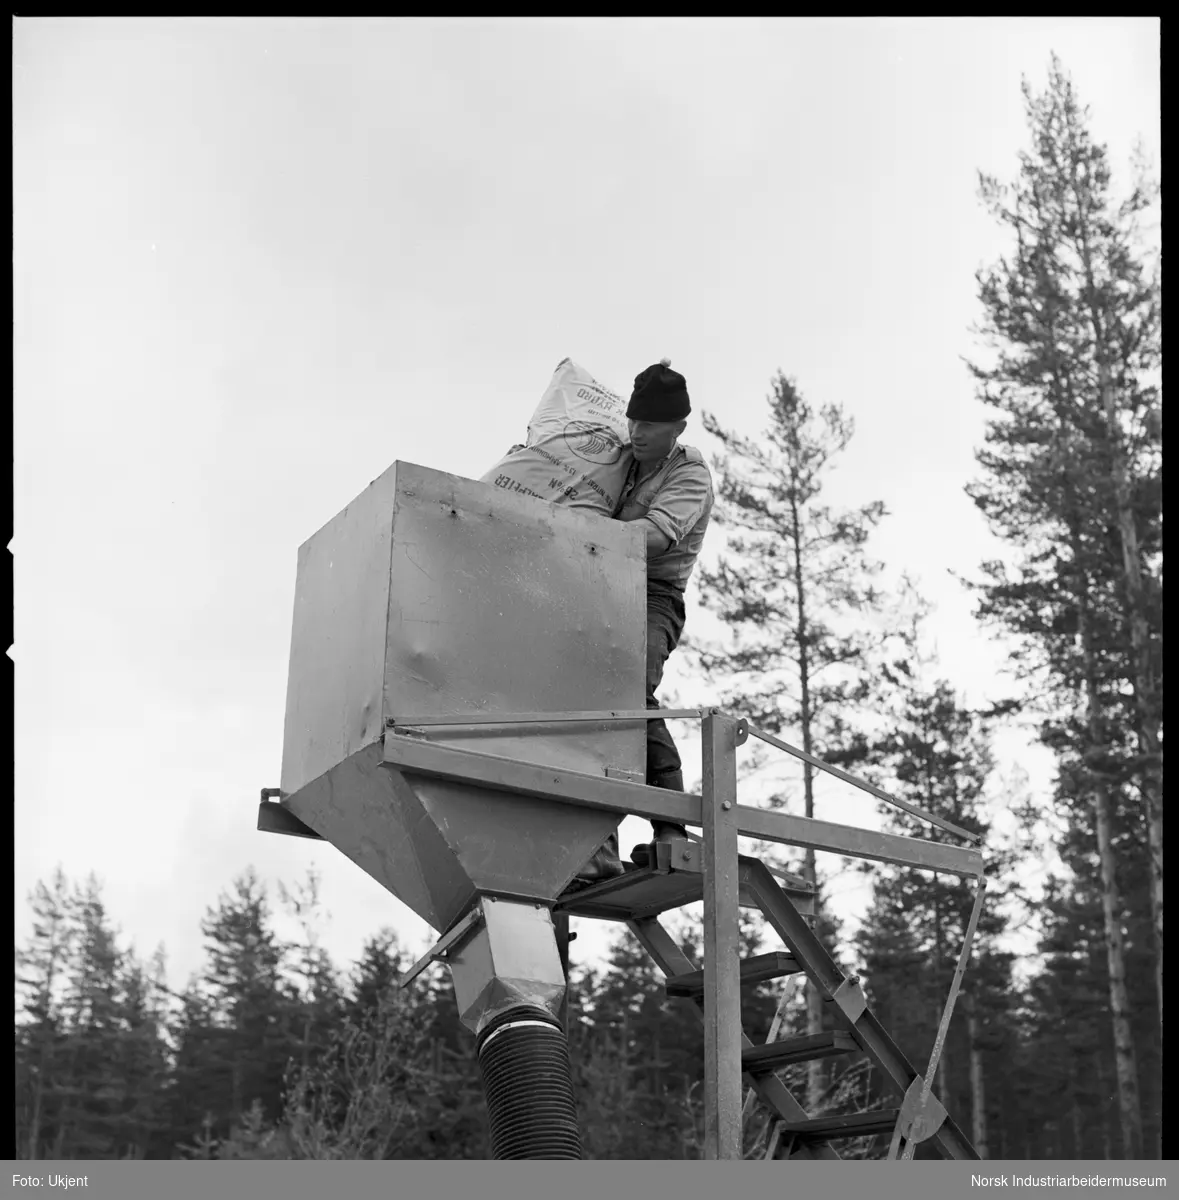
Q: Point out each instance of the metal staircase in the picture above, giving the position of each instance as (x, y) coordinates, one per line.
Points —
(675, 879)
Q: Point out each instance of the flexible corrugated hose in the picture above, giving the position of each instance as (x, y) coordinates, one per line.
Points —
(528, 1085)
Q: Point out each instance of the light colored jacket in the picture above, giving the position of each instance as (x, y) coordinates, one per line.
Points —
(677, 499)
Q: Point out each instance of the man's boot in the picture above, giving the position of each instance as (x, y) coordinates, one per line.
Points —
(605, 864)
(664, 831)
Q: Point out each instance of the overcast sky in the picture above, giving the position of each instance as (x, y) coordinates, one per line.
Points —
(257, 261)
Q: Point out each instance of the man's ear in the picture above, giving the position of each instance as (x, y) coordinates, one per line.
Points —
(680, 426)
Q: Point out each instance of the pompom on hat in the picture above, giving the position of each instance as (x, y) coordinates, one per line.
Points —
(660, 394)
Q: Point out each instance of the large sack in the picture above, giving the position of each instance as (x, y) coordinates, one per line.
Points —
(578, 448)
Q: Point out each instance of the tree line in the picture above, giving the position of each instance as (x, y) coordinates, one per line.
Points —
(275, 1051)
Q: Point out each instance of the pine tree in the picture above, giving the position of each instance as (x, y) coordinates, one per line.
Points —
(1071, 483)
(1075, 953)
(796, 590)
(1065, 1097)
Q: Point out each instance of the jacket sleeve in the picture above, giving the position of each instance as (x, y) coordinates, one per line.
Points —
(682, 499)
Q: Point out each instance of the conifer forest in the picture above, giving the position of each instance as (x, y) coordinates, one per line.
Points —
(275, 1051)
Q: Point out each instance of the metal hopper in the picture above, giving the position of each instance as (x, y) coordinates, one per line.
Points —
(433, 595)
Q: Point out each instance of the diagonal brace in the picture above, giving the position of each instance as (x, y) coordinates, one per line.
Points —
(919, 1121)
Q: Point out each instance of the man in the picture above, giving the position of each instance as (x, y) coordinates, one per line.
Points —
(668, 491)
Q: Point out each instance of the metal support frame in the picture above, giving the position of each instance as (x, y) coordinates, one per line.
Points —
(722, 967)
(439, 950)
(618, 716)
(495, 773)
(726, 876)
(917, 1122)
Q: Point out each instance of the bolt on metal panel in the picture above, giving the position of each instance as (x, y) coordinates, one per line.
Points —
(435, 595)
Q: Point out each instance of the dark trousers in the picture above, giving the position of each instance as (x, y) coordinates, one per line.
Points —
(665, 624)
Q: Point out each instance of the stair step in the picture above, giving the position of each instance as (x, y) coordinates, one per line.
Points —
(753, 970)
(846, 1125)
(760, 1060)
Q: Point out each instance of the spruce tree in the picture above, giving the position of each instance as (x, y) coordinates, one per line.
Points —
(935, 754)
(91, 1012)
(91, 1059)
(233, 1037)
(41, 967)
(314, 992)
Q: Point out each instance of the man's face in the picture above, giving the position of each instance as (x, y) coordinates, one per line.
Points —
(653, 440)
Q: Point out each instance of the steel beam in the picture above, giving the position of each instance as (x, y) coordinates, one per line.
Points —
(722, 967)
(858, 843)
(417, 756)
(672, 961)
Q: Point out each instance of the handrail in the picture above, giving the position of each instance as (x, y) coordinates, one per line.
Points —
(912, 809)
(617, 716)
(600, 717)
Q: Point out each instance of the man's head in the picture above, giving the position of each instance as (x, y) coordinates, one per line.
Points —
(657, 413)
